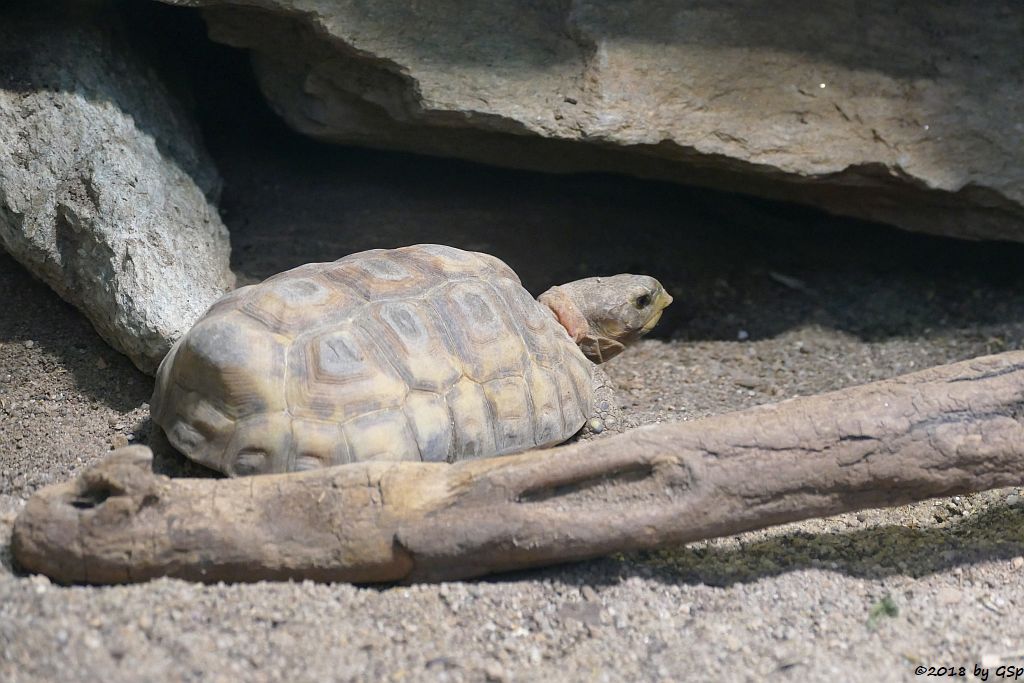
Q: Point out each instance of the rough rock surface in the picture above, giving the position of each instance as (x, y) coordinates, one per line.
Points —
(105, 191)
(908, 113)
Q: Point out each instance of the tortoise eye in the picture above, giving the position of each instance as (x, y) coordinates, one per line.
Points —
(643, 301)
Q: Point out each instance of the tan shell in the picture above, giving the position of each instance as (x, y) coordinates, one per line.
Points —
(420, 353)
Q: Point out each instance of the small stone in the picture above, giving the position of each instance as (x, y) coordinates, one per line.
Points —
(742, 335)
(596, 425)
(1017, 562)
(29, 343)
(948, 595)
(747, 382)
(589, 593)
(1013, 499)
(494, 672)
(119, 441)
(101, 364)
(990, 660)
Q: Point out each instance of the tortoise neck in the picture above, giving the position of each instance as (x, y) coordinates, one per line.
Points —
(595, 346)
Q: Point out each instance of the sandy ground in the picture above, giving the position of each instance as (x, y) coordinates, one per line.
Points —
(771, 302)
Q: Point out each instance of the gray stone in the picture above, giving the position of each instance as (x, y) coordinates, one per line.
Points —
(105, 191)
(909, 113)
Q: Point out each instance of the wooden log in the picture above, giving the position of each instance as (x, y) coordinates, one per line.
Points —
(947, 430)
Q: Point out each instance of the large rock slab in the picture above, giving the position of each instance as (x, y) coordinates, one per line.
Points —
(105, 190)
(910, 113)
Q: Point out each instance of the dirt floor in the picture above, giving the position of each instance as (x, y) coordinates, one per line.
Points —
(772, 302)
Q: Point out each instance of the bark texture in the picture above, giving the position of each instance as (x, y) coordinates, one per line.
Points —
(947, 430)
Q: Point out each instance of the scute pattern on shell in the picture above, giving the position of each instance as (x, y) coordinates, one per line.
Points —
(421, 353)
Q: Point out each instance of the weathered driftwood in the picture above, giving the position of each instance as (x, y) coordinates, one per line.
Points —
(947, 430)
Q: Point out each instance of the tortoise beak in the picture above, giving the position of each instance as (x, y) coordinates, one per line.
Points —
(662, 302)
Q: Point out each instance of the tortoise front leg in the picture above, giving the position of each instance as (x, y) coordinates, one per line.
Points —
(605, 414)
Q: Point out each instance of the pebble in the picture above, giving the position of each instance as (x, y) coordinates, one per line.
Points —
(990, 660)
(495, 672)
(1013, 499)
(748, 382)
(948, 595)
(29, 343)
(1017, 562)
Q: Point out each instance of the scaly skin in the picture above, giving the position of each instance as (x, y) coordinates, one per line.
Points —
(604, 315)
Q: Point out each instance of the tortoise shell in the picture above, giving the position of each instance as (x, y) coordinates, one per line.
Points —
(421, 353)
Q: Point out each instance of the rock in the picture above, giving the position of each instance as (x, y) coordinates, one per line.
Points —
(908, 113)
(105, 190)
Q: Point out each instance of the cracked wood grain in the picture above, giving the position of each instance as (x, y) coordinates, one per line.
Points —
(947, 430)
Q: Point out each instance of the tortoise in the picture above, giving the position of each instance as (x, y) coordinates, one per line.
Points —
(425, 352)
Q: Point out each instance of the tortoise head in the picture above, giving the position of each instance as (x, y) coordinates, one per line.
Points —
(605, 314)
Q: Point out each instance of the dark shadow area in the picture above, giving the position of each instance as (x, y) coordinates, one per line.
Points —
(995, 533)
(33, 314)
(945, 64)
(732, 261)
